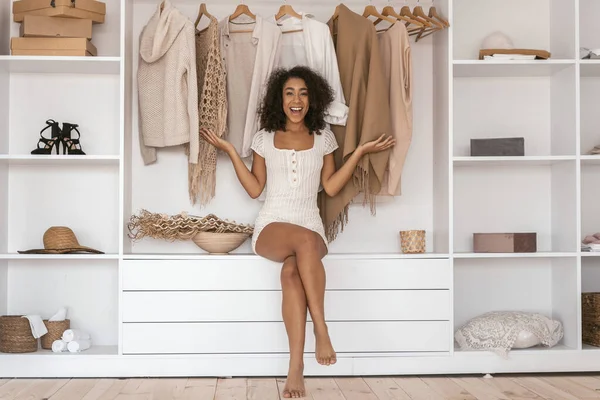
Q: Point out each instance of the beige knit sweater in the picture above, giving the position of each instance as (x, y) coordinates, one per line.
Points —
(167, 84)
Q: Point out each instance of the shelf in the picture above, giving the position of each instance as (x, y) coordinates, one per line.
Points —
(527, 68)
(590, 68)
(44, 159)
(516, 255)
(516, 160)
(531, 350)
(77, 256)
(590, 159)
(100, 351)
(590, 254)
(60, 64)
(255, 257)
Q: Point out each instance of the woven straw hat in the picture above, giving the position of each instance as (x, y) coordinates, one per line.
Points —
(61, 240)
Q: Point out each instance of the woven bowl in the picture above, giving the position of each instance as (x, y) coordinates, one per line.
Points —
(219, 243)
(413, 241)
(55, 331)
(15, 335)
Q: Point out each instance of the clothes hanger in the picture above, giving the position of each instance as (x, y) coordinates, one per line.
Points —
(240, 10)
(424, 32)
(286, 9)
(434, 14)
(202, 12)
(388, 11)
(406, 12)
(371, 11)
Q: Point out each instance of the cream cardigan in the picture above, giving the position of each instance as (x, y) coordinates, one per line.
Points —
(167, 84)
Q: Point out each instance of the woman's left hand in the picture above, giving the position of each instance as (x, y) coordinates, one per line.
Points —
(380, 144)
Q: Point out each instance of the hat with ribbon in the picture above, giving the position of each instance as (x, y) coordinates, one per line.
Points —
(60, 240)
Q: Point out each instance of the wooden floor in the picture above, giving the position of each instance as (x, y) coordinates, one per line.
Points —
(505, 387)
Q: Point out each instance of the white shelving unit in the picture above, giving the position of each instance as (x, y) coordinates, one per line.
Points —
(122, 296)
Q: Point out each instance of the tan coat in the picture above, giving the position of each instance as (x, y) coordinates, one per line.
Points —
(367, 96)
(397, 67)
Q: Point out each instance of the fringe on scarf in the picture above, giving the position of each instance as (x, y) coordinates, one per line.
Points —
(362, 183)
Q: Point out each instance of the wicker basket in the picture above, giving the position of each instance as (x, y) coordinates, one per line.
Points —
(412, 241)
(55, 331)
(590, 324)
(15, 335)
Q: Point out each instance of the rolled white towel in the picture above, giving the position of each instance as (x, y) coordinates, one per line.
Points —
(59, 346)
(74, 334)
(79, 345)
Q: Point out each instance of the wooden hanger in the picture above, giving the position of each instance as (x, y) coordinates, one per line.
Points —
(336, 13)
(426, 31)
(202, 12)
(406, 12)
(371, 11)
(241, 9)
(418, 12)
(433, 14)
(286, 9)
(388, 11)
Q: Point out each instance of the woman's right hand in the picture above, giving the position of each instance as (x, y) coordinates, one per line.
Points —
(216, 141)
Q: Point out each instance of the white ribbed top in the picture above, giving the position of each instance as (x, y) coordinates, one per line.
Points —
(293, 182)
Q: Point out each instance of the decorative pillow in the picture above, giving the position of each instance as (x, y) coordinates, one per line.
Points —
(500, 331)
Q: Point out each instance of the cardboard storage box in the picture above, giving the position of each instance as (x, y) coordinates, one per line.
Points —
(505, 242)
(52, 46)
(498, 147)
(83, 9)
(40, 26)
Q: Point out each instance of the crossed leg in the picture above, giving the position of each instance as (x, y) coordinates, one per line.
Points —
(303, 284)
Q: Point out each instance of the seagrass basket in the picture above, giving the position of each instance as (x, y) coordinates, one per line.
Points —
(55, 331)
(412, 241)
(590, 321)
(15, 335)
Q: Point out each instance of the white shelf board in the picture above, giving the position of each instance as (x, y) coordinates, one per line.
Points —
(60, 64)
(99, 351)
(589, 68)
(590, 254)
(590, 159)
(166, 256)
(540, 254)
(530, 351)
(57, 159)
(509, 68)
(512, 160)
(62, 257)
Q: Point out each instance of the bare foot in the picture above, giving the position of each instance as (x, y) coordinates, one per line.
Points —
(294, 384)
(324, 354)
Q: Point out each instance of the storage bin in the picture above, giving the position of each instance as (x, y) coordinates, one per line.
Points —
(412, 241)
(15, 335)
(525, 242)
(55, 331)
(590, 318)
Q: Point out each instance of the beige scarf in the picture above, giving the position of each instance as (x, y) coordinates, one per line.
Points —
(212, 107)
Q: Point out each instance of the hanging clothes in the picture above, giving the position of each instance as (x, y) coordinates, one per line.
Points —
(309, 43)
(212, 111)
(167, 84)
(396, 59)
(249, 59)
(367, 93)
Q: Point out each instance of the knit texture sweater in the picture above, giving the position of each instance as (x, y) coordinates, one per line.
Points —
(167, 84)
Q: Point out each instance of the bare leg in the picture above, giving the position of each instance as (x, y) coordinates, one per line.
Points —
(278, 241)
(294, 317)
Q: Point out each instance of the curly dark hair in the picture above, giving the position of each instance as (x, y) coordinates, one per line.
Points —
(320, 95)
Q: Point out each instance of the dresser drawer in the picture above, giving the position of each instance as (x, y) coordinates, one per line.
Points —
(347, 305)
(260, 274)
(270, 337)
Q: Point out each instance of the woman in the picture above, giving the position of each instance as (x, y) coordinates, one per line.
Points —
(294, 149)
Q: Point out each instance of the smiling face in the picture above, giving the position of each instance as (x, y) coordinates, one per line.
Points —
(295, 100)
